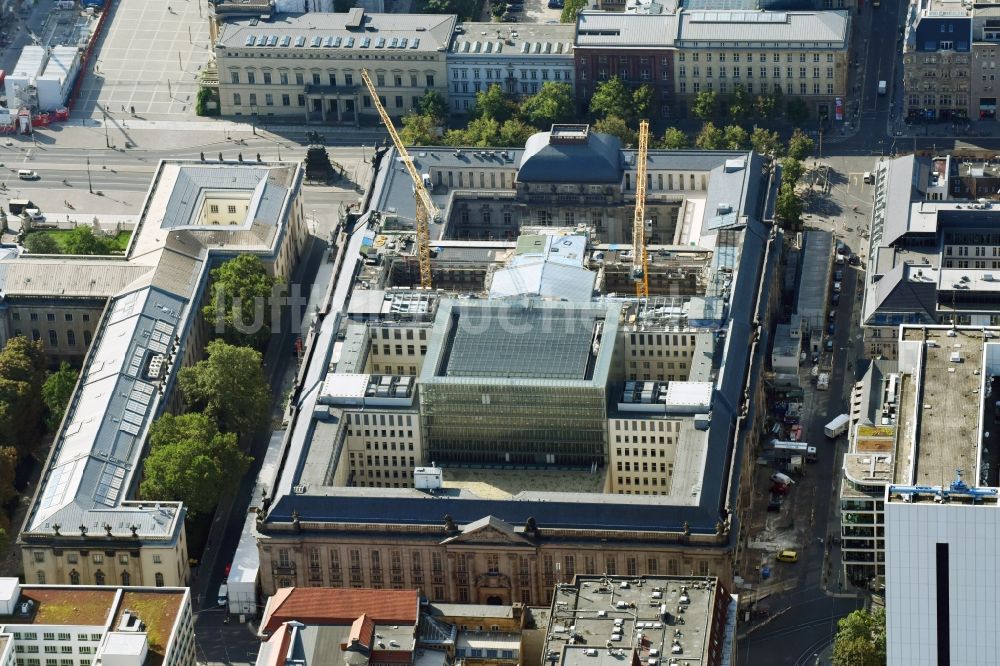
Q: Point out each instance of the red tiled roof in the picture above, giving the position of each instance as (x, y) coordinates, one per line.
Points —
(362, 631)
(338, 606)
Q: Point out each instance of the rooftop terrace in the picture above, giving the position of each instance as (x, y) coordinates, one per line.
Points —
(619, 621)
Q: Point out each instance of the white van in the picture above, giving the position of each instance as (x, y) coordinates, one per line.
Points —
(223, 597)
(869, 178)
(27, 174)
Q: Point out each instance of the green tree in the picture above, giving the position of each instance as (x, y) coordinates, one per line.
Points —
(191, 461)
(56, 392)
(8, 473)
(228, 386)
(739, 103)
(710, 137)
(243, 297)
(22, 373)
(675, 139)
(82, 240)
(791, 170)
(767, 104)
(705, 104)
(465, 9)
(800, 146)
(494, 103)
(41, 242)
(788, 207)
(433, 104)
(615, 126)
(766, 142)
(860, 639)
(611, 98)
(736, 138)
(515, 133)
(642, 102)
(552, 104)
(571, 9)
(797, 110)
(420, 129)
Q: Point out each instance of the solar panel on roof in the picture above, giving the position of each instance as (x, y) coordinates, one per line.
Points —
(130, 428)
(300, 41)
(315, 41)
(163, 327)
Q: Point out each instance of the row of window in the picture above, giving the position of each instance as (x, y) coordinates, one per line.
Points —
(101, 579)
(34, 661)
(96, 558)
(389, 446)
(49, 316)
(497, 75)
(761, 57)
(696, 87)
(36, 335)
(300, 100)
(643, 481)
(724, 71)
(398, 333)
(316, 79)
(645, 453)
(646, 467)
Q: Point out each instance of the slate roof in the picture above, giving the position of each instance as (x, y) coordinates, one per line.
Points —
(596, 161)
(537, 276)
(829, 27)
(595, 29)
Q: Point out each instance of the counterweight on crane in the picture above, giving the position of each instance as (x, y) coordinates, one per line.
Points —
(640, 261)
(426, 210)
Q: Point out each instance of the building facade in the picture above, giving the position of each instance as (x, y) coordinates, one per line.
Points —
(937, 61)
(519, 57)
(308, 67)
(799, 53)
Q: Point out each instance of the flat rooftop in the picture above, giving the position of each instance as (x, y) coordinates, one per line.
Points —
(505, 483)
(946, 419)
(158, 610)
(615, 621)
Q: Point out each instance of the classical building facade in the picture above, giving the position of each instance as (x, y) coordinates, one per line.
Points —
(308, 67)
(937, 60)
(519, 57)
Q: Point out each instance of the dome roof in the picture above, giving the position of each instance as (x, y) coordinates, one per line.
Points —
(571, 154)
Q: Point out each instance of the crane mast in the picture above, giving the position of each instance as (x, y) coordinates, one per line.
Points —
(640, 261)
(426, 210)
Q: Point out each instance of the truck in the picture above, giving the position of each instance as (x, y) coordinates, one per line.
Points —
(881, 87)
(837, 427)
(785, 450)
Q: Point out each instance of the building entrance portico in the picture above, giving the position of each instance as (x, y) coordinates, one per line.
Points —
(332, 105)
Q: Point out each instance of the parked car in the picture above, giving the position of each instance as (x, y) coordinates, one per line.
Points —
(835, 299)
(556, 4)
(34, 214)
(774, 504)
(832, 315)
(838, 275)
(836, 287)
(27, 174)
(830, 328)
(829, 345)
(855, 260)
(788, 556)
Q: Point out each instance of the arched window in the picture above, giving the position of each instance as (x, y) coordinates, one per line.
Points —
(126, 578)
(159, 580)
(74, 577)
(99, 577)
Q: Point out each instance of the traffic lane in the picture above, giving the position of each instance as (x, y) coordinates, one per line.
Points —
(796, 633)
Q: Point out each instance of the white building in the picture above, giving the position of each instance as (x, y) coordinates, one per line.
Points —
(519, 57)
(941, 588)
(85, 625)
(56, 80)
(20, 81)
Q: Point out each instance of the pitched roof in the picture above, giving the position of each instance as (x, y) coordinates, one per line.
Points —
(334, 606)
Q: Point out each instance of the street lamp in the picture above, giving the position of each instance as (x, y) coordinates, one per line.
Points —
(90, 185)
(253, 116)
(107, 141)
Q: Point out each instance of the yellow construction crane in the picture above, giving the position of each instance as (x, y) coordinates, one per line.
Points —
(640, 261)
(426, 210)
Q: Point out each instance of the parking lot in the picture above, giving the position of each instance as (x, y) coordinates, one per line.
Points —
(531, 11)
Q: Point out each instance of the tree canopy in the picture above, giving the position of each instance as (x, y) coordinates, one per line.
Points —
(495, 103)
(616, 126)
(710, 137)
(800, 145)
(41, 243)
(739, 104)
(736, 138)
(82, 240)
(56, 392)
(22, 373)
(420, 130)
(433, 104)
(229, 386)
(611, 98)
(191, 461)
(788, 207)
(766, 142)
(791, 170)
(243, 300)
(675, 139)
(571, 9)
(552, 104)
(797, 110)
(705, 104)
(860, 639)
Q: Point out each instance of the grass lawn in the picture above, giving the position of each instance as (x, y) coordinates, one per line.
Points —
(118, 243)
